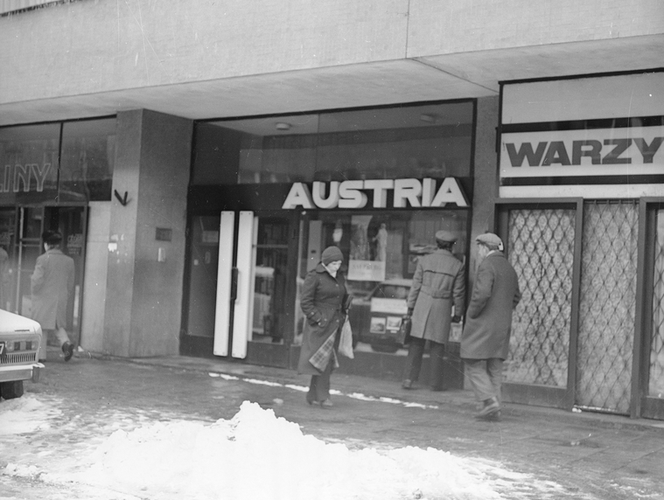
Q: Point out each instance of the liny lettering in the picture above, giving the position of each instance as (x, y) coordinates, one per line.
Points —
(18, 177)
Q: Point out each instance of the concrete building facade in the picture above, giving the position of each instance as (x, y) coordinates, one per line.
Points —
(150, 112)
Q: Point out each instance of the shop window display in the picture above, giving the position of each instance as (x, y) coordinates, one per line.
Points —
(381, 250)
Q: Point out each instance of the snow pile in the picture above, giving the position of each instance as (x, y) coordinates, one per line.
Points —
(259, 456)
(254, 456)
(25, 415)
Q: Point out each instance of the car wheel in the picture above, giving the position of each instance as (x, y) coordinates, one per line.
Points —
(11, 390)
(390, 348)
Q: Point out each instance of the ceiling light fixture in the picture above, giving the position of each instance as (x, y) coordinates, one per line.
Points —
(428, 118)
(283, 126)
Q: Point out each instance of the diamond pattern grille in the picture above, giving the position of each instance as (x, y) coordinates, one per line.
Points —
(607, 307)
(656, 384)
(541, 249)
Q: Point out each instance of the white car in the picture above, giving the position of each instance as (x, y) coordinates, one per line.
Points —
(20, 338)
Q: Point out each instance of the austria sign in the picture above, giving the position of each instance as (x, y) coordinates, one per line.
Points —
(397, 193)
(592, 152)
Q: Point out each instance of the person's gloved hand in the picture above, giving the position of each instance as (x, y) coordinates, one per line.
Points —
(456, 319)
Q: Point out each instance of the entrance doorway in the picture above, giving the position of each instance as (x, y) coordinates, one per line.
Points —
(239, 290)
(20, 236)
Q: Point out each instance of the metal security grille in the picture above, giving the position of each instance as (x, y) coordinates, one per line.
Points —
(541, 249)
(607, 305)
(656, 384)
(16, 359)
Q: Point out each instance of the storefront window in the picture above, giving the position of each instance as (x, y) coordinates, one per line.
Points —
(429, 140)
(29, 163)
(35, 170)
(88, 157)
(381, 251)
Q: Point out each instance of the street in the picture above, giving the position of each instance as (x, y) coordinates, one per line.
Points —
(538, 453)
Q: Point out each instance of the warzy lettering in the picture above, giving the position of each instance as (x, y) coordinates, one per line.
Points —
(608, 152)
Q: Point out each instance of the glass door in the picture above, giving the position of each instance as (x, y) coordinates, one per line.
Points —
(8, 259)
(20, 237)
(239, 286)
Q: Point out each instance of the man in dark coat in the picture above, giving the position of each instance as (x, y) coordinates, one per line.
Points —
(486, 335)
(52, 285)
(438, 282)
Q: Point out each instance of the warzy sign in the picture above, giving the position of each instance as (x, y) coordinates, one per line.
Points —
(588, 152)
(398, 193)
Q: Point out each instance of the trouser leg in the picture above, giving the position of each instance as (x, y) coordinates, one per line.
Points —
(62, 336)
(478, 376)
(494, 368)
(436, 360)
(414, 359)
(319, 387)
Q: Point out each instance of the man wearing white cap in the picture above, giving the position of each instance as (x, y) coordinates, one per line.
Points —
(438, 283)
(486, 335)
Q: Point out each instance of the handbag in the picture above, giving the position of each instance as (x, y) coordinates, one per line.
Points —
(346, 340)
(403, 335)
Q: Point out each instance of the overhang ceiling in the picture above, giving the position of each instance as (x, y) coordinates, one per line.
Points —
(434, 78)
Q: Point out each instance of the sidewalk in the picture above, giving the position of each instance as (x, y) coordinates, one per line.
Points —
(349, 384)
(591, 456)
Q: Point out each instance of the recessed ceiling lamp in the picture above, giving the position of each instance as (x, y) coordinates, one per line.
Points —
(283, 126)
(428, 118)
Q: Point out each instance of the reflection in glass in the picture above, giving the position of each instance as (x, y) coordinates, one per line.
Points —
(88, 157)
(203, 264)
(271, 273)
(428, 140)
(29, 163)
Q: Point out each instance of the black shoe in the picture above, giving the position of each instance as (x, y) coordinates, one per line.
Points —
(407, 384)
(68, 349)
(491, 406)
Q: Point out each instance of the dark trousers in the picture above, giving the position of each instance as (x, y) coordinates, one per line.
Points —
(319, 387)
(414, 362)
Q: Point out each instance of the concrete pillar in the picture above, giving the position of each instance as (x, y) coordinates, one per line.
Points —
(147, 234)
(485, 179)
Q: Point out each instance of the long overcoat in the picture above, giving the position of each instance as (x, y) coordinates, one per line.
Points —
(438, 283)
(486, 333)
(52, 284)
(322, 300)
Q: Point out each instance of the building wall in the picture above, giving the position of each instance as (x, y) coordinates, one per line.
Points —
(485, 178)
(132, 44)
(144, 291)
(94, 284)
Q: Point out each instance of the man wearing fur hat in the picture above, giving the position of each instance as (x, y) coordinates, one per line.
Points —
(486, 334)
(438, 283)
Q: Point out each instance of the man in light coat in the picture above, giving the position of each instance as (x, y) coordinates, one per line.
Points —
(486, 335)
(438, 282)
(52, 284)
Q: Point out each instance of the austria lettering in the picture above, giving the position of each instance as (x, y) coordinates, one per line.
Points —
(353, 194)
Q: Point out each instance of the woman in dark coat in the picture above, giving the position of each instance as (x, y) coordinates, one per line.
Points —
(323, 302)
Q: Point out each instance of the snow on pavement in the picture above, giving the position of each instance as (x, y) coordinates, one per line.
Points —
(254, 455)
